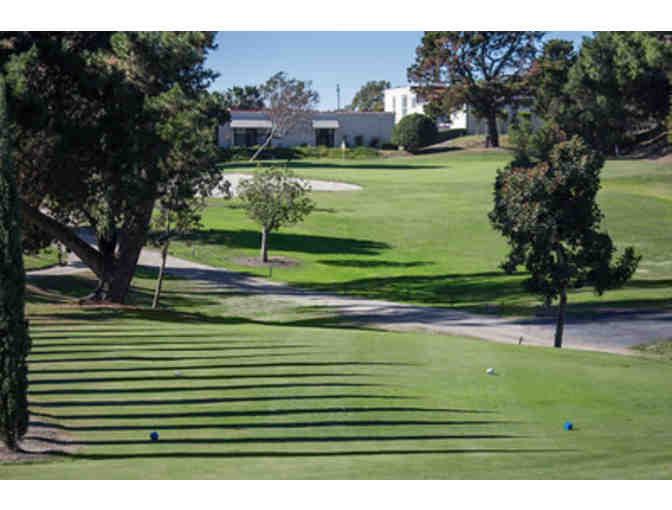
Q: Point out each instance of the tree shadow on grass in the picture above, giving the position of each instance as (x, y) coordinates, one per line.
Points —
(281, 241)
(446, 289)
(372, 263)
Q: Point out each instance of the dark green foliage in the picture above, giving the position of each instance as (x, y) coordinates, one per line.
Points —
(450, 134)
(14, 339)
(616, 85)
(544, 139)
(414, 132)
(244, 98)
(550, 217)
(484, 70)
(107, 123)
(548, 77)
(520, 137)
(532, 144)
(370, 97)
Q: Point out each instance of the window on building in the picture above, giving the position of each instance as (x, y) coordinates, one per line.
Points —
(404, 105)
(325, 137)
(394, 104)
(414, 102)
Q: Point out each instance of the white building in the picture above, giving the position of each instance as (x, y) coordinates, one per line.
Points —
(403, 101)
(249, 128)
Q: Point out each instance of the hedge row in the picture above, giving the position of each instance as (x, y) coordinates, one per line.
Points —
(284, 153)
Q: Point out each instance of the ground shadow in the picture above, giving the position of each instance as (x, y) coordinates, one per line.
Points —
(298, 454)
(372, 263)
(282, 241)
(275, 425)
(221, 400)
(270, 413)
(445, 289)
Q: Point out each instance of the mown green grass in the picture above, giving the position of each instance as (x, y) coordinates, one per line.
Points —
(418, 232)
(282, 396)
(45, 258)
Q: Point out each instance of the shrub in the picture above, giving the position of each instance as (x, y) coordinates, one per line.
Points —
(374, 142)
(359, 140)
(450, 134)
(414, 132)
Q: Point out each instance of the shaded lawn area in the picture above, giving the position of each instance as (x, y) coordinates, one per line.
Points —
(418, 233)
(236, 397)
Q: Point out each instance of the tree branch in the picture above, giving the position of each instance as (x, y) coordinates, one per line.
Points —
(89, 255)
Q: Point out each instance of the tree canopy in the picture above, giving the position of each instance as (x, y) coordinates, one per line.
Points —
(483, 70)
(289, 103)
(370, 97)
(248, 97)
(274, 198)
(617, 84)
(107, 123)
(550, 217)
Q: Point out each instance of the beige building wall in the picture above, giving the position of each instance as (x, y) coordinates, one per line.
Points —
(369, 125)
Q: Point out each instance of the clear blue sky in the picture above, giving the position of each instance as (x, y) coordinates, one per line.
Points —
(349, 59)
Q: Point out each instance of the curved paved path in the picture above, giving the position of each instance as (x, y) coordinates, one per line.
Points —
(613, 331)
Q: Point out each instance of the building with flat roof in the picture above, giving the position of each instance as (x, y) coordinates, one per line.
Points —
(249, 128)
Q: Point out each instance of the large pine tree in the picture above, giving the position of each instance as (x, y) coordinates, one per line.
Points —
(14, 339)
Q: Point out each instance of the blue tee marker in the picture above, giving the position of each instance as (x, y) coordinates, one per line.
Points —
(568, 425)
(154, 436)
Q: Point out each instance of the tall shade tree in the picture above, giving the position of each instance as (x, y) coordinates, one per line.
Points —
(551, 220)
(289, 104)
(617, 85)
(106, 124)
(485, 71)
(274, 198)
(14, 339)
(370, 98)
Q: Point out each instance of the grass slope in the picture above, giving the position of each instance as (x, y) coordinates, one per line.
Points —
(418, 232)
(275, 396)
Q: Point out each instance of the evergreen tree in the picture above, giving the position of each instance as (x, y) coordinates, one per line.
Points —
(14, 339)
(550, 217)
(106, 124)
(483, 70)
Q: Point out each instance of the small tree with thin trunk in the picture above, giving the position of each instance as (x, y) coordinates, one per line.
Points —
(173, 220)
(14, 339)
(551, 220)
(274, 198)
(288, 104)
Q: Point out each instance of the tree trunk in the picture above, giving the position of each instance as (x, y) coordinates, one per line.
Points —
(265, 144)
(120, 260)
(89, 255)
(159, 281)
(264, 245)
(492, 139)
(560, 325)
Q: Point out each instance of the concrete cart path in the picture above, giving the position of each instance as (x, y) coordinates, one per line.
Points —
(614, 331)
